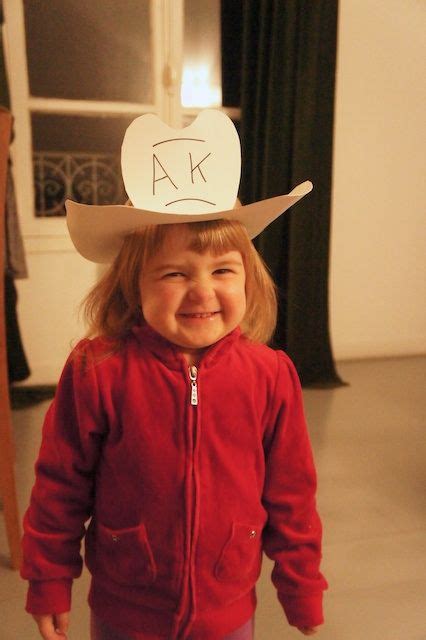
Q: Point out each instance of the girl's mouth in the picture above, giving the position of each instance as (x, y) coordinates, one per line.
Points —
(206, 314)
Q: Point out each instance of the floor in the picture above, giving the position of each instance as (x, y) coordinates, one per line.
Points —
(369, 440)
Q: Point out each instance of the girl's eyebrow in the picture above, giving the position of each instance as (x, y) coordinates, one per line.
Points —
(231, 262)
(168, 267)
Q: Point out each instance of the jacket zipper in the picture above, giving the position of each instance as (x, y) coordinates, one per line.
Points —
(193, 372)
(193, 377)
(184, 615)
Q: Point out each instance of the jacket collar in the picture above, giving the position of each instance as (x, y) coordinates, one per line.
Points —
(169, 353)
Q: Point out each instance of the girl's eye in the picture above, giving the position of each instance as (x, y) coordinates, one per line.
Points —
(174, 274)
(223, 271)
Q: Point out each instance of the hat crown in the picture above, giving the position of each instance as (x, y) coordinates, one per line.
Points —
(192, 170)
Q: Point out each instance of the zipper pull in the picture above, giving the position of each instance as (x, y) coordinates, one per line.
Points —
(194, 389)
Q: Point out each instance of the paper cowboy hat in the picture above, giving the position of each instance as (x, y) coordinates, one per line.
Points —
(173, 176)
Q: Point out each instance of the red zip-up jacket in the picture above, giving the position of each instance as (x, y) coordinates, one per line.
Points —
(187, 476)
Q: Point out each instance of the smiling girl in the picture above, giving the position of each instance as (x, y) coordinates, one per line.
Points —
(182, 437)
(176, 444)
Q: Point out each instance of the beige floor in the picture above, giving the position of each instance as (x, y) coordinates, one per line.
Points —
(370, 445)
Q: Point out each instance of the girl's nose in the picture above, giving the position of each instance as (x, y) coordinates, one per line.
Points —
(200, 291)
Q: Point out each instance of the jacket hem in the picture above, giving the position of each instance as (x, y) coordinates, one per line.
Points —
(217, 623)
(209, 625)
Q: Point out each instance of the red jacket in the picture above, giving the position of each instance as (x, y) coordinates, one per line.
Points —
(186, 482)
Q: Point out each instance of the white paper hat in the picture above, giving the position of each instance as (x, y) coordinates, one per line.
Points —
(174, 176)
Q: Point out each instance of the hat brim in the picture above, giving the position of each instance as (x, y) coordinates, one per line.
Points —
(98, 232)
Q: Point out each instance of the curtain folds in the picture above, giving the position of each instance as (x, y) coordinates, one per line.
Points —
(287, 100)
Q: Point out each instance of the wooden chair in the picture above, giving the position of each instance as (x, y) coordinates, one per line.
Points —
(7, 452)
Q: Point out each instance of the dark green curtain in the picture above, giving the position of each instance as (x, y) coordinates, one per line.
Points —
(288, 60)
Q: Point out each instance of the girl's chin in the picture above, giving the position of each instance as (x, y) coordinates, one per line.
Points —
(198, 344)
(195, 348)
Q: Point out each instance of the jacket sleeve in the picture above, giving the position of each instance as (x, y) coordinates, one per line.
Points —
(62, 496)
(292, 536)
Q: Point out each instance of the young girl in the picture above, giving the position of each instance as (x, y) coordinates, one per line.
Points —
(179, 437)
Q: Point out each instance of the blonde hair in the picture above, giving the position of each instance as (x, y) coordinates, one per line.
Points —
(112, 306)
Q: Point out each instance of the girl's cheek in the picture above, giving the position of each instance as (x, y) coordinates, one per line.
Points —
(167, 294)
(236, 290)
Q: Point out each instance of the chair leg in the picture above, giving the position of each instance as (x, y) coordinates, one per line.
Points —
(7, 482)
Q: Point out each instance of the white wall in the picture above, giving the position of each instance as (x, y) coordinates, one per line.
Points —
(378, 254)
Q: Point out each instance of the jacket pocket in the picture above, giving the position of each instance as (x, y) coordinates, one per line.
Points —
(124, 555)
(241, 557)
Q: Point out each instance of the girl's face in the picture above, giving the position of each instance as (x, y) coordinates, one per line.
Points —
(192, 300)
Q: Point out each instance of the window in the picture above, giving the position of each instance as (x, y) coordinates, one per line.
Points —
(80, 72)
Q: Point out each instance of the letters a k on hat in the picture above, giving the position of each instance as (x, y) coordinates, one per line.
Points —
(173, 176)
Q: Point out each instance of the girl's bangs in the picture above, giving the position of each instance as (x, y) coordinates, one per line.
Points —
(217, 237)
(214, 236)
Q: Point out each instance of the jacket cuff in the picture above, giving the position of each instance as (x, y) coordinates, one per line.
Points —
(49, 596)
(303, 611)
